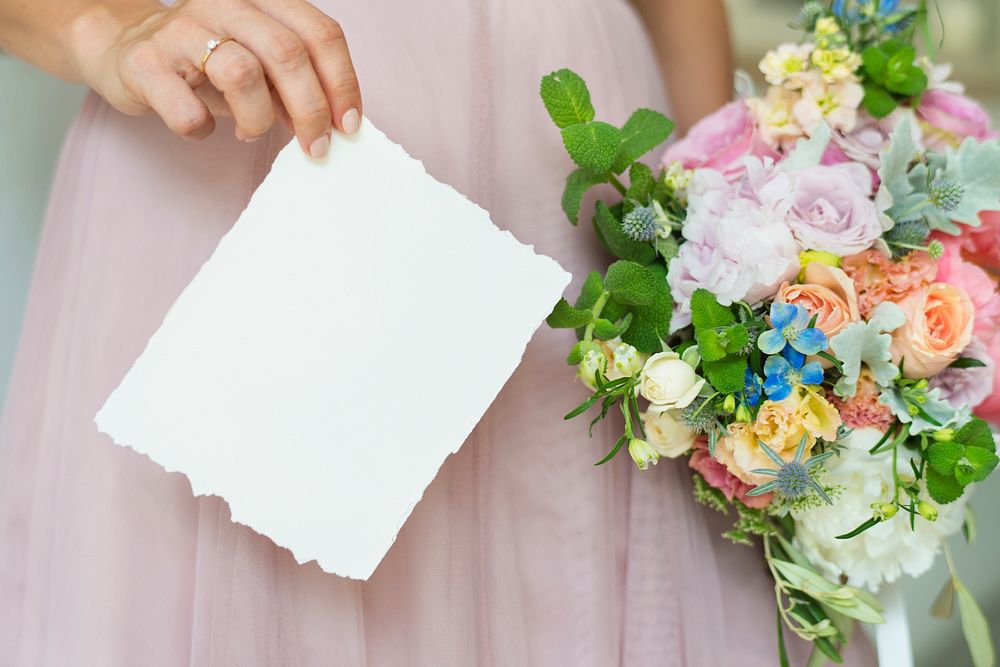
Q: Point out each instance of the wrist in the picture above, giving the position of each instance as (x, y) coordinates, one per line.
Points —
(93, 34)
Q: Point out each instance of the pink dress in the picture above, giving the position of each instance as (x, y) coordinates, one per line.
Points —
(520, 553)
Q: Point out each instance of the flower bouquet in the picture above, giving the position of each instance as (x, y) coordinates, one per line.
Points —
(799, 308)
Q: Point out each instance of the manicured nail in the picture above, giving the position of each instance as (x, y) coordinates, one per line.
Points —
(351, 121)
(320, 147)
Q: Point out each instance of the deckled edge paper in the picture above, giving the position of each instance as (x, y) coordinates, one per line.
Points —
(345, 337)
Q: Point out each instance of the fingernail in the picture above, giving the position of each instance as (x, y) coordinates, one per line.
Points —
(320, 147)
(351, 121)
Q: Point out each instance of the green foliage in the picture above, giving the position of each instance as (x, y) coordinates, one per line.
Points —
(975, 628)
(640, 186)
(976, 167)
(720, 341)
(609, 229)
(566, 98)
(954, 464)
(591, 291)
(607, 330)
(891, 76)
(642, 132)
(652, 321)
(708, 495)
(577, 184)
(565, 316)
(592, 145)
(632, 283)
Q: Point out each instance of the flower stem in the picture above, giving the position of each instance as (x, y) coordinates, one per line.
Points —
(613, 180)
(588, 333)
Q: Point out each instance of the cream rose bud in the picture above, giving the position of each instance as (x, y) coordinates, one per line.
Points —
(594, 362)
(627, 360)
(642, 453)
(668, 382)
(666, 434)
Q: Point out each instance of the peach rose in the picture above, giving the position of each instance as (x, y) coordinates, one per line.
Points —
(938, 327)
(739, 452)
(826, 292)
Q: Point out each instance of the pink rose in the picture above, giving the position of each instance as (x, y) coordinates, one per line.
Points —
(719, 141)
(982, 244)
(979, 285)
(990, 408)
(938, 327)
(952, 118)
(719, 477)
(831, 209)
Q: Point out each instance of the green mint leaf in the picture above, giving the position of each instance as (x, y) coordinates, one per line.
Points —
(591, 291)
(642, 132)
(875, 61)
(707, 313)
(709, 346)
(592, 145)
(577, 184)
(943, 488)
(910, 85)
(575, 355)
(566, 98)
(727, 374)
(976, 466)
(877, 101)
(736, 338)
(942, 456)
(652, 321)
(640, 183)
(608, 330)
(565, 316)
(632, 283)
(976, 433)
(609, 230)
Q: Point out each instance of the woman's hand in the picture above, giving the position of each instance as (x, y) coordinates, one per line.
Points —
(286, 60)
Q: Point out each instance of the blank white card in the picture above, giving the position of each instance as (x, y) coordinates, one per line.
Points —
(345, 337)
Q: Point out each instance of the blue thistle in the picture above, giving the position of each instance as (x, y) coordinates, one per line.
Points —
(947, 195)
(907, 235)
(639, 224)
(792, 478)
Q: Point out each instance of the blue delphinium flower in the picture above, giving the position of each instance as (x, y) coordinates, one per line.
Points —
(790, 324)
(752, 388)
(792, 478)
(788, 371)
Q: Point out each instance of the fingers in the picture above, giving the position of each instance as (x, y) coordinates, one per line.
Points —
(239, 76)
(166, 93)
(324, 40)
(288, 66)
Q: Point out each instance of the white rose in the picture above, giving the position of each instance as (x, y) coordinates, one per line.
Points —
(668, 382)
(668, 436)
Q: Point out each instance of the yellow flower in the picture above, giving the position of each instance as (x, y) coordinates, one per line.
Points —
(807, 257)
(740, 452)
(818, 416)
(780, 424)
(827, 26)
(836, 65)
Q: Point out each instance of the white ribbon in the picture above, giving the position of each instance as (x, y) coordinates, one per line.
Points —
(892, 638)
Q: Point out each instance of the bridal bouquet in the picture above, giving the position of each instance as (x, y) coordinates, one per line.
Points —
(799, 308)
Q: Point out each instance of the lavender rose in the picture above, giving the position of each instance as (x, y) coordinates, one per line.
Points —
(831, 209)
(952, 118)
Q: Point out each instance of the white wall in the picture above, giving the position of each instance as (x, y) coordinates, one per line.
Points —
(35, 112)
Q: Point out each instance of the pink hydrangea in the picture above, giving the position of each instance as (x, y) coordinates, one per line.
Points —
(720, 141)
(720, 478)
(739, 246)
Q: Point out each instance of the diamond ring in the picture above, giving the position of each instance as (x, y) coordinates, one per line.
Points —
(210, 48)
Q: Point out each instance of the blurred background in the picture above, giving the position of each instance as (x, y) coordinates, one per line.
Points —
(36, 111)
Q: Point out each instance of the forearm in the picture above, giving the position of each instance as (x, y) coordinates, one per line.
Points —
(691, 39)
(58, 35)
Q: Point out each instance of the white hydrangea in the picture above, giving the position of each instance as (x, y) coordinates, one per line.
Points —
(881, 553)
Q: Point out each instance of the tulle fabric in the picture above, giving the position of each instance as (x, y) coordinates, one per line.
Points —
(520, 553)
